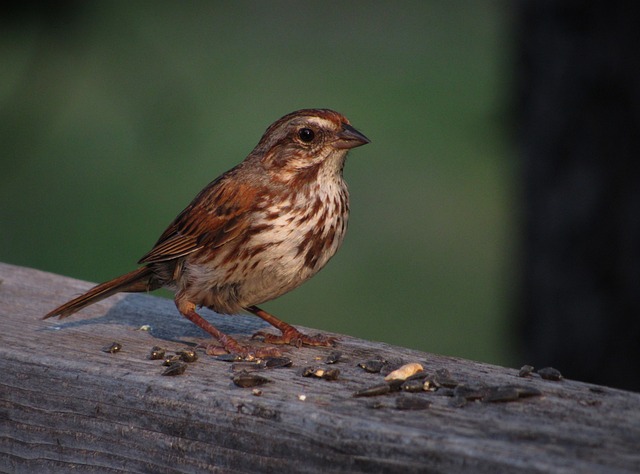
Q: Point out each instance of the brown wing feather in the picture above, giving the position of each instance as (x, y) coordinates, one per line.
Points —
(219, 214)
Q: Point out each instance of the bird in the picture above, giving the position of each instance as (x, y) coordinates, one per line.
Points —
(254, 233)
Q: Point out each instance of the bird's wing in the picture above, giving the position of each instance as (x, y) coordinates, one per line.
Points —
(219, 214)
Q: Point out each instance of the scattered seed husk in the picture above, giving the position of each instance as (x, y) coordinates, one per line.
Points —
(229, 357)
(373, 366)
(373, 391)
(321, 373)
(404, 372)
(187, 355)
(277, 362)
(412, 385)
(412, 403)
(549, 373)
(247, 380)
(256, 392)
(500, 394)
(156, 353)
(112, 348)
(144, 327)
(469, 393)
(443, 378)
(509, 393)
(175, 368)
(333, 357)
(171, 359)
(525, 371)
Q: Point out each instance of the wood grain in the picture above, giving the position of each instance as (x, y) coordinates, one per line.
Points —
(66, 405)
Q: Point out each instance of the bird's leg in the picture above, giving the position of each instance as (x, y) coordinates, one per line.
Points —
(229, 344)
(290, 335)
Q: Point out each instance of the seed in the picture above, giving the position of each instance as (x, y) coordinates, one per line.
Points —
(247, 380)
(320, 373)
(525, 371)
(229, 357)
(333, 357)
(156, 353)
(501, 394)
(468, 393)
(404, 372)
(112, 348)
(187, 355)
(412, 385)
(443, 379)
(374, 390)
(277, 362)
(373, 366)
(175, 368)
(168, 360)
(549, 373)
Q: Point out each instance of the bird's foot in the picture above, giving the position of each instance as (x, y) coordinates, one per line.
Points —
(243, 352)
(293, 337)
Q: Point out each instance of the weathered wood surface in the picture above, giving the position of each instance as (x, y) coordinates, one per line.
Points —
(65, 405)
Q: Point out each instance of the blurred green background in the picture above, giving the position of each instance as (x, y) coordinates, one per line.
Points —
(115, 114)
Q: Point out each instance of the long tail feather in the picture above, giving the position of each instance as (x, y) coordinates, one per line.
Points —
(138, 280)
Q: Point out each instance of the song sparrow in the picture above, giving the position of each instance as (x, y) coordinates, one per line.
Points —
(256, 232)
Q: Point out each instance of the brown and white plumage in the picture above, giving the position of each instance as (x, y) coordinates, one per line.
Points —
(256, 232)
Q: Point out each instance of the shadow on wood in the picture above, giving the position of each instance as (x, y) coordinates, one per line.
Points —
(65, 404)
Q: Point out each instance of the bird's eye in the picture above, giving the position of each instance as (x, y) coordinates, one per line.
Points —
(306, 135)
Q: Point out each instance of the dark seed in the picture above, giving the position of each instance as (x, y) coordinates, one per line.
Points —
(380, 389)
(412, 385)
(326, 374)
(469, 393)
(333, 357)
(443, 379)
(168, 360)
(187, 355)
(246, 380)
(549, 373)
(112, 348)
(395, 385)
(372, 366)
(525, 371)
(500, 394)
(156, 353)
(277, 362)
(229, 357)
(175, 368)
(412, 403)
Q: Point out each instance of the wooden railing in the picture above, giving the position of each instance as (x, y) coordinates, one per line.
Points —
(65, 405)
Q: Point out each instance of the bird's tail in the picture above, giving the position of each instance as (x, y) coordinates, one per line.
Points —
(142, 279)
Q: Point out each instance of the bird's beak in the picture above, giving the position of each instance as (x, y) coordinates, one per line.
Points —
(349, 138)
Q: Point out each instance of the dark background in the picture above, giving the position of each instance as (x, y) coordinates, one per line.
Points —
(113, 115)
